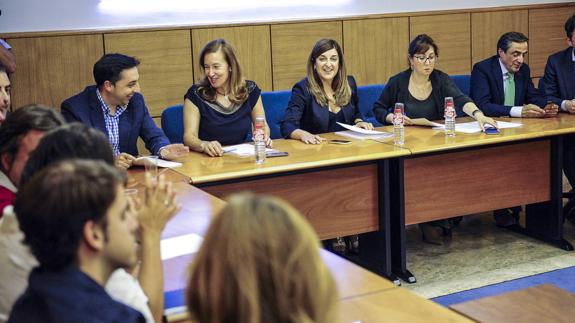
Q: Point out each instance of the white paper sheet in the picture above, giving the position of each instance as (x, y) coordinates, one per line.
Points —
(141, 161)
(360, 130)
(424, 122)
(180, 245)
(361, 136)
(473, 126)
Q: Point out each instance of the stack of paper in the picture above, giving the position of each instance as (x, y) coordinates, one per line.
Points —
(473, 126)
(362, 134)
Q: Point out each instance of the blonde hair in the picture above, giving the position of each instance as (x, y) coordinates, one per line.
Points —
(260, 262)
(340, 86)
(238, 89)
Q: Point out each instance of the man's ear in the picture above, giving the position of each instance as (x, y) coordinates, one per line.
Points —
(108, 86)
(569, 42)
(93, 235)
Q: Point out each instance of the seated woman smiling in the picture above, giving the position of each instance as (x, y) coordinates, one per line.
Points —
(325, 97)
(221, 108)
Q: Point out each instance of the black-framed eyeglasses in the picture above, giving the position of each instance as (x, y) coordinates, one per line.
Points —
(423, 59)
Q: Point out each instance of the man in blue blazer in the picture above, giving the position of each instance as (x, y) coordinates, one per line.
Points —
(501, 85)
(559, 80)
(115, 106)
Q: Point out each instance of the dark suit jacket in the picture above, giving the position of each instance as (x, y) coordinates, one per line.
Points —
(397, 90)
(303, 111)
(487, 88)
(559, 78)
(134, 122)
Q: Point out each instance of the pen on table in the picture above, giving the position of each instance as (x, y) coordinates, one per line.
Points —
(229, 150)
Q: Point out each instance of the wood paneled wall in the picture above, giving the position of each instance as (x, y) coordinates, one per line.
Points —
(546, 35)
(52, 68)
(252, 44)
(165, 64)
(487, 27)
(376, 49)
(451, 33)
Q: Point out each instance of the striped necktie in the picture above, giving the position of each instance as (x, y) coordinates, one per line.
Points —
(509, 90)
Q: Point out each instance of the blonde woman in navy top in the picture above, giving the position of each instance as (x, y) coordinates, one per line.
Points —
(221, 108)
(326, 96)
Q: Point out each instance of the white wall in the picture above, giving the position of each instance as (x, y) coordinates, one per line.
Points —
(54, 15)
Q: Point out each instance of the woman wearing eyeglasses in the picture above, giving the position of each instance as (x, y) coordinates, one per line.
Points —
(422, 90)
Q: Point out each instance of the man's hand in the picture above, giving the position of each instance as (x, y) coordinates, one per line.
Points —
(551, 110)
(570, 106)
(173, 151)
(124, 160)
(532, 111)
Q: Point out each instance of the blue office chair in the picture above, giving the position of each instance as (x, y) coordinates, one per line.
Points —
(463, 82)
(173, 123)
(367, 95)
(275, 105)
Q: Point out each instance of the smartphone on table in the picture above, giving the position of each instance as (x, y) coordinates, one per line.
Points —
(491, 131)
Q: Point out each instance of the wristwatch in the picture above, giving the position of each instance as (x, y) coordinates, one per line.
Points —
(474, 112)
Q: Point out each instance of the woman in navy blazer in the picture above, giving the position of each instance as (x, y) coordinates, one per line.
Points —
(326, 96)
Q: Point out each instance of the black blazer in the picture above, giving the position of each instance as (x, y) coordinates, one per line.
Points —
(304, 112)
(487, 88)
(559, 78)
(397, 90)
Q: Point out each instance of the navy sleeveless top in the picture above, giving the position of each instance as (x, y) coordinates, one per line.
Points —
(230, 125)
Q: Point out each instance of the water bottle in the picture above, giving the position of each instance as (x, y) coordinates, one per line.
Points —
(259, 140)
(449, 115)
(398, 132)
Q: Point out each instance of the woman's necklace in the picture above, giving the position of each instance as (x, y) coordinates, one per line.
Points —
(223, 100)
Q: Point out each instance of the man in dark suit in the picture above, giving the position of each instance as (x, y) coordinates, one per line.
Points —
(559, 80)
(115, 106)
(501, 85)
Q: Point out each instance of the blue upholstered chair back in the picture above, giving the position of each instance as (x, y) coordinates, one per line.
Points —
(275, 105)
(173, 123)
(462, 82)
(368, 94)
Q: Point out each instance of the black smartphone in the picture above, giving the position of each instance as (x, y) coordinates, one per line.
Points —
(271, 154)
(339, 142)
(491, 131)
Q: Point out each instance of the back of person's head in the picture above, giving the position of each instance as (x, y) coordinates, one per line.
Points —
(260, 262)
(74, 140)
(339, 84)
(238, 92)
(570, 26)
(110, 66)
(421, 44)
(506, 39)
(55, 204)
(20, 122)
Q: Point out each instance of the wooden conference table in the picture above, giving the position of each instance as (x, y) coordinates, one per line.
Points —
(377, 188)
(537, 304)
(364, 296)
(471, 173)
(337, 187)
